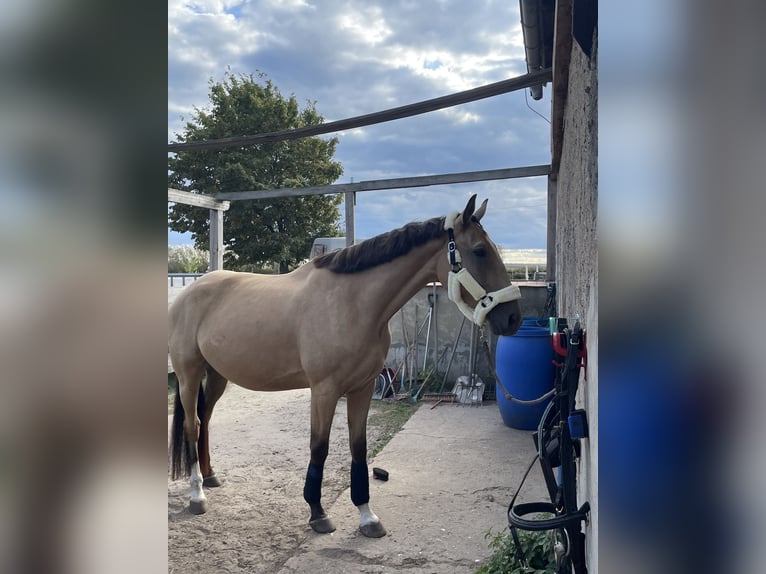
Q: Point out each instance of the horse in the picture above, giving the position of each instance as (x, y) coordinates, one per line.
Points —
(323, 326)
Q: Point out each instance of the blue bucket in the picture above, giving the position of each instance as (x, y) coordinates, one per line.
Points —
(524, 364)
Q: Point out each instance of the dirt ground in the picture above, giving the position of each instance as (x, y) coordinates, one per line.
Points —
(258, 518)
(453, 470)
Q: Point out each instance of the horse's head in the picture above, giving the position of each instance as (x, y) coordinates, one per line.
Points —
(477, 280)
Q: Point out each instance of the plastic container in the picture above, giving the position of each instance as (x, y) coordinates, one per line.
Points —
(524, 364)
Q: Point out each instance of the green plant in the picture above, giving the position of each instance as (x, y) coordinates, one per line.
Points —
(265, 269)
(432, 379)
(187, 259)
(537, 551)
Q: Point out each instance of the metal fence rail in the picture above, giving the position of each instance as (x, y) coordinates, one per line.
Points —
(183, 277)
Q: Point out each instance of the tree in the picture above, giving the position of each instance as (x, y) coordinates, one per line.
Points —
(262, 231)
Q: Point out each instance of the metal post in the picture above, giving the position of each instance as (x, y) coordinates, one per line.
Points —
(216, 239)
(350, 198)
(436, 332)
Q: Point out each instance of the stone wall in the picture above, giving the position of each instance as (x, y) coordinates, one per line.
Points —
(445, 328)
(577, 258)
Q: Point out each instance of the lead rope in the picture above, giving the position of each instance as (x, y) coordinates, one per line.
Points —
(508, 395)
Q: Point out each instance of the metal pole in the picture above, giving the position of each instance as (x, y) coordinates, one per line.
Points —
(216, 240)
(414, 364)
(405, 363)
(350, 197)
(428, 335)
(436, 332)
(452, 355)
(471, 353)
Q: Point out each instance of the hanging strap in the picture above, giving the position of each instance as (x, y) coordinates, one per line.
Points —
(508, 395)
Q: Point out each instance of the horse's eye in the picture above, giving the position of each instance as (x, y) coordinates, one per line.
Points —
(480, 251)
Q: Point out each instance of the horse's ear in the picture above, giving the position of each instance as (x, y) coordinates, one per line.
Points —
(469, 209)
(480, 212)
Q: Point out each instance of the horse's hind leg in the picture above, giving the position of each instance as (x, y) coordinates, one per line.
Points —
(214, 387)
(358, 404)
(189, 382)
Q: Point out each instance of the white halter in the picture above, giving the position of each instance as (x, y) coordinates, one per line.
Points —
(459, 275)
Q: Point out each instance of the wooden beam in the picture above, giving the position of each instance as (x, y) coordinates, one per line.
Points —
(562, 54)
(504, 86)
(196, 199)
(396, 183)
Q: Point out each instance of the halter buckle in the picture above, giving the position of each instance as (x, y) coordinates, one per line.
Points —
(486, 300)
(452, 252)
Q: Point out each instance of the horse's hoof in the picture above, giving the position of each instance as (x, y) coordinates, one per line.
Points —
(211, 481)
(198, 506)
(373, 530)
(322, 525)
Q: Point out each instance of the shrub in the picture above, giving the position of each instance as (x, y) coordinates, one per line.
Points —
(187, 259)
(262, 269)
(537, 548)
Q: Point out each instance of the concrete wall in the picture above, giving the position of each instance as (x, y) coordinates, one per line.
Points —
(577, 258)
(445, 328)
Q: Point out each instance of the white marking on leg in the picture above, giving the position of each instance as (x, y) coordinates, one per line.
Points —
(197, 494)
(366, 516)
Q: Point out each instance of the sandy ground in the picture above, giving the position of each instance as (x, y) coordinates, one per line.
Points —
(258, 518)
(453, 471)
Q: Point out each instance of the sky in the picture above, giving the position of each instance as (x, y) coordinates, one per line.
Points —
(354, 58)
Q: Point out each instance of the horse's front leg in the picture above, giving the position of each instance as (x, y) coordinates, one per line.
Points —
(358, 404)
(322, 413)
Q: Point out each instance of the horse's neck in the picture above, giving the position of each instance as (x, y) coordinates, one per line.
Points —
(399, 280)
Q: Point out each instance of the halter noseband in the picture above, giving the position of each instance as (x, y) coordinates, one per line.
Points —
(460, 276)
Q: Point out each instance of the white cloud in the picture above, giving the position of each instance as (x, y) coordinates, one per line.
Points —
(358, 58)
(365, 24)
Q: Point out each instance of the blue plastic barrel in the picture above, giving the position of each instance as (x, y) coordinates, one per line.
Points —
(524, 364)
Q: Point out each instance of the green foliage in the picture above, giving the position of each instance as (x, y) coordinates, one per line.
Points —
(260, 268)
(433, 383)
(537, 548)
(262, 232)
(187, 259)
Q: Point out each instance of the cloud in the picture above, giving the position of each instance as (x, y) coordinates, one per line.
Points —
(353, 59)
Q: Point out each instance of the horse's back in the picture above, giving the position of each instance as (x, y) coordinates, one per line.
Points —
(197, 299)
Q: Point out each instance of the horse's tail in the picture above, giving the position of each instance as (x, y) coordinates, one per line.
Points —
(180, 449)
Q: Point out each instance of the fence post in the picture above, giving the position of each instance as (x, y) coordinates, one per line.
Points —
(216, 239)
(350, 198)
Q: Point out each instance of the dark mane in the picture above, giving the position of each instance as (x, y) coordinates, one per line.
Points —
(381, 248)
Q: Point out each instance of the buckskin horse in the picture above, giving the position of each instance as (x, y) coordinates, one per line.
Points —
(267, 333)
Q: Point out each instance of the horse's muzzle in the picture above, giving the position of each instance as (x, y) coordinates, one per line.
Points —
(505, 319)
